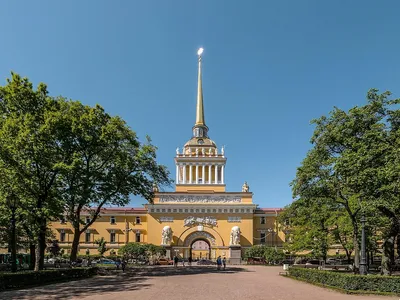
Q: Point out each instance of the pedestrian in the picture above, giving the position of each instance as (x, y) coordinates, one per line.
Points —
(190, 261)
(176, 261)
(219, 263)
(123, 265)
(183, 262)
(224, 262)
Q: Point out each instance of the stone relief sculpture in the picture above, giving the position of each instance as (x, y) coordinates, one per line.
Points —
(177, 150)
(166, 236)
(209, 152)
(197, 151)
(245, 187)
(235, 236)
(203, 151)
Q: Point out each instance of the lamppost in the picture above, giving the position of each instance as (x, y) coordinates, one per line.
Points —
(363, 259)
(12, 203)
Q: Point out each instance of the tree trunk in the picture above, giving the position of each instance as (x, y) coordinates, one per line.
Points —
(356, 253)
(398, 245)
(32, 256)
(41, 247)
(388, 247)
(75, 244)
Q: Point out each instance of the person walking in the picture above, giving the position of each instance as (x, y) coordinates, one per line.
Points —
(123, 265)
(219, 262)
(176, 261)
(190, 261)
(224, 262)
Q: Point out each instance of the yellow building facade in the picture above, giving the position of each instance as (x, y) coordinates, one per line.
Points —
(200, 209)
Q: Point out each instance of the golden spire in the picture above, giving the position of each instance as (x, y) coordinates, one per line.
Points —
(200, 108)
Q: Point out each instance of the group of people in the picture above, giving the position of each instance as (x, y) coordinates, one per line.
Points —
(221, 262)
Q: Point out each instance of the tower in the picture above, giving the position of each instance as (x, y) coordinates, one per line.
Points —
(200, 166)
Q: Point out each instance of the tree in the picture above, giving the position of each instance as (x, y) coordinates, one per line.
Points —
(30, 153)
(309, 225)
(141, 251)
(354, 164)
(106, 164)
(102, 245)
(54, 248)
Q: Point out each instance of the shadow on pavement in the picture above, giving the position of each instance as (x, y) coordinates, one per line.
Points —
(171, 271)
(111, 281)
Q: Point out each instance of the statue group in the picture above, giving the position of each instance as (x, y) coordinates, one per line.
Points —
(166, 236)
(245, 187)
(235, 236)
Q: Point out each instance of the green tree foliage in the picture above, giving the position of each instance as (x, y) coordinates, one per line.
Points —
(106, 164)
(354, 166)
(141, 251)
(30, 154)
(101, 245)
(309, 227)
(271, 255)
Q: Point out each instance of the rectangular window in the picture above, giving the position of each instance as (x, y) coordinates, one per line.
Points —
(112, 236)
(262, 236)
(87, 236)
(137, 220)
(62, 235)
(112, 220)
(262, 220)
(87, 220)
(137, 236)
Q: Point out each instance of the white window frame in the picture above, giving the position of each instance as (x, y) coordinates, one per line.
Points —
(86, 233)
(112, 232)
(62, 234)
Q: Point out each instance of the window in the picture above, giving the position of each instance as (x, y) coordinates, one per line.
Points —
(87, 220)
(234, 219)
(112, 236)
(62, 235)
(262, 236)
(62, 220)
(138, 220)
(137, 236)
(262, 220)
(87, 236)
(112, 220)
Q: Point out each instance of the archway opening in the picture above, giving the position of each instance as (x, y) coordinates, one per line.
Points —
(200, 249)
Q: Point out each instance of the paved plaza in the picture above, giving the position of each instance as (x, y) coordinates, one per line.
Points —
(164, 283)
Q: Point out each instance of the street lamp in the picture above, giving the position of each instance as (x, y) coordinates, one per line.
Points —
(12, 203)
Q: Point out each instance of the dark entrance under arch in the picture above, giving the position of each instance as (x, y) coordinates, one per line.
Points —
(200, 249)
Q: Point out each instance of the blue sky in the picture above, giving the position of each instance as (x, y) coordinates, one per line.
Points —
(269, 67)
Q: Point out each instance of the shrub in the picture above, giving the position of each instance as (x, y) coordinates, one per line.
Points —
(29, 278)
(348, 282)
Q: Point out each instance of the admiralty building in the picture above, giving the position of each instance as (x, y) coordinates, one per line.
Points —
(199, 219)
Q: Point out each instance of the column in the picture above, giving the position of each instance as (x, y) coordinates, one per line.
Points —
(216, 174)
(197, 174)
(190, 174)
(209, 174)
(203, 175)
(184, 174)
(177, 174)
(222, 174)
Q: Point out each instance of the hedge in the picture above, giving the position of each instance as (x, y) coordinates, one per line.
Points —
(348, 282)
(30, 278)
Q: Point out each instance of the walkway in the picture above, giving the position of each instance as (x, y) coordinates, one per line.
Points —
(164, 283)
